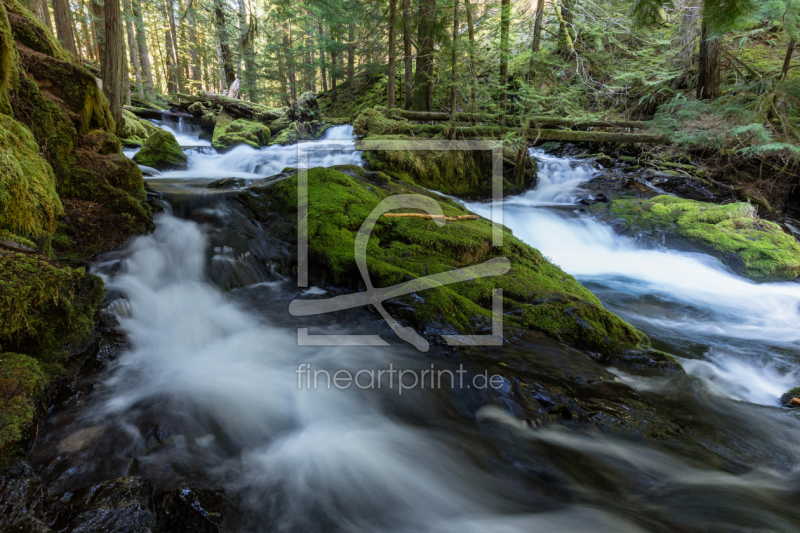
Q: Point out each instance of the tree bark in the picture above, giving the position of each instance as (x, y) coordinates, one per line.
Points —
(193, 44)
(224, 46)
(392, 52)
(505, 23)
(281, 66)
(407, 60)
(537, 27)
(132, 49)
(36, 7)
(172, 46)
(787, 60)
(64, 25)
(351, 53)
(288, 52)
(98, 10)
(708, 68)
(322, 67)
(115, 77)
(473, 89)
(453, 58)
(141, 44)
(46, 12)
(564, 16)
(422, 90)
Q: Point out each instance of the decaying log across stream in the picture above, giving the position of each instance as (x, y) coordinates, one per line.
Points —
(424, 116)
(533, 134)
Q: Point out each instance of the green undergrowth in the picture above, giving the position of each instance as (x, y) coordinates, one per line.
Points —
(8, 61)
(538, 296)
(161, 151)
(21, 381)
(229, 133)
(755, 248)
(369, 89)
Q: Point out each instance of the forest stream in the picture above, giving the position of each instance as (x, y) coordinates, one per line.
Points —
(206, 393)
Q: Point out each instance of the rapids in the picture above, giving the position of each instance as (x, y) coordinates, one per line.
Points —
(217, 375)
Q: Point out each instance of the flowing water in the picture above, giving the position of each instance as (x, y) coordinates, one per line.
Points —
(208, 391)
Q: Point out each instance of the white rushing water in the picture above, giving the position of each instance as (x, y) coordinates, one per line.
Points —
(700, 297)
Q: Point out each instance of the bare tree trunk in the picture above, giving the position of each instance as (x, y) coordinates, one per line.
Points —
(115, 77)
(323, 67)
(172, 46)
(708, 68)
(226, 56)
(87, 35)
(537, 27)
(787, 60)
(453, 58)
(46, 12)
(141, 44)
(98, 10)
(422, 90)
(132, 50)
(392, 52)
(36, 7)
(473, 89)
(172, 85)
(407, 60)
(288, 52)
(505, 24)
(685, 42)
(64, 25)
(351, 52)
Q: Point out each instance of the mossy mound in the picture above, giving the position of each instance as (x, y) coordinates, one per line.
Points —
(229, 133)
(161, 151)
(538, 296)
(299, 131)
(134, 131)
(305, 109)
(29, 203)
(44, 307)
(369, 89)
(8, 61)
(75, 88)
(754, 248)
(21, 381)
(32, 33)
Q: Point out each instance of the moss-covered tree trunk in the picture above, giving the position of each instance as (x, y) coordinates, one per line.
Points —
(224, 45)
(409, 72)
(787, 60)
(141, 44)
(392, 52)
(61, 13)
(708, 66)
(564, 15)
(36, 7)
(115, 75)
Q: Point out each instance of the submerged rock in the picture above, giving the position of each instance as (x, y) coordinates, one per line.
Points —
(538, 296)
(754, 248)
(162, 152)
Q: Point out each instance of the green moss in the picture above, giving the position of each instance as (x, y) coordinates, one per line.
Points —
(8, 62)
(31, 32)
(296, 132)
(755, 248)
(229, 133)
(21, 381)
(538, 295)
(374, 121)
(794, 392)
(135, 131)
(44, 307)
(28, 200)
(197, 108)
(6, 235)
(161, 151)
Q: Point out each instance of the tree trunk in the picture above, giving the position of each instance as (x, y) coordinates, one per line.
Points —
(46, 12)
(36, 7)
(505, 23)
(392, 52)
(172, 46)
(172, 85)
(115, 77)
(224, 45)
(98, 10)
(537, 28)
(787, 60)
(708, 68)
(322, 66)
(64, 25)
(195, 67)
(685, 41)
(281, 66)
(132, 50)
(288, 52)
(564, 16)
(422, 90)
(141, 44)
(351, 53)
(407, 60)
(87, 35)
(473, 85)
(453, 57)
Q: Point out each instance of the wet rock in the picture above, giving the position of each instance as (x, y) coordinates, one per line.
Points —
(788, 396)
(162, 152)
(305, 109)
(189, 510)
(122, 505)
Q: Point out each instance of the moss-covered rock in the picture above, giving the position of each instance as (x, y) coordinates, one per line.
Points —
(75, 88)
(8, 61)
(21, 381)
(299, 131)
(197, 108)
(305, 109)
(32, 33)
(229, 133)
(161, 151)
(134, 131)
(29, 203)
(754, 248)
(369, 89)
(538, 296)
(44, 307)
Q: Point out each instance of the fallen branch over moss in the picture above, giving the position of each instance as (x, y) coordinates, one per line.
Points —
(425, 116)
(431, 217)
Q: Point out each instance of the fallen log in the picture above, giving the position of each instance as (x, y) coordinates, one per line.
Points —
(432, 217)
(425, 116)
(16, 247)
(542, 134)
(238, 108)
(157, 114)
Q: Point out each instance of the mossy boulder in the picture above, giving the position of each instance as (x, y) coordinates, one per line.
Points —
(538, 296)
(229, 133)
(75, 88)
(21, 381)
(305, 109)
(754, 248)
(8, 61)
(299, 131)
(134, 131)
(29, 204)
(161, 151)
(197, 109)
(32, 33)
(43, 306)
